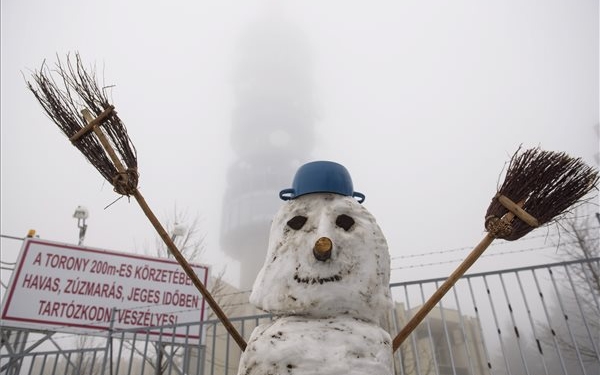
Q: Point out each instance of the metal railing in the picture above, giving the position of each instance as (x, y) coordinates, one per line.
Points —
(535, 320)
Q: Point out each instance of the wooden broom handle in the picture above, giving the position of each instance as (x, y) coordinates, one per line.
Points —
(514, 209)
(189, 271)
(442, 290)
(161, 231)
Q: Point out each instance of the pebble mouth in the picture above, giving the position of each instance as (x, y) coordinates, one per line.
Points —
(317, 279)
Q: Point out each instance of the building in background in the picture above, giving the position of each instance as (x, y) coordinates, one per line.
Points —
(445, 343)
(272, 133)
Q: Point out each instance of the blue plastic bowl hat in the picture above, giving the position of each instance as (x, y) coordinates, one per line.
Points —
(321, 177)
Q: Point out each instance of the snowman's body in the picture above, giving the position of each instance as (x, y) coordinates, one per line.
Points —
(328, 301)
(334, 346)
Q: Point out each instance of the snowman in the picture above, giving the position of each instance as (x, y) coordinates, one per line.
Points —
(326, 280)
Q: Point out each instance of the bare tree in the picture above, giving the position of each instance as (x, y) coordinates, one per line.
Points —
(577, 316)
(85, 360)
(583, 244)
(190, 243)
(90, 363)
(186, 234)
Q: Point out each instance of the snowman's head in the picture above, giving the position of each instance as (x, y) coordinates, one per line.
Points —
(327, 256)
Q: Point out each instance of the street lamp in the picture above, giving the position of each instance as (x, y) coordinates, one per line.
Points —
(178, 231)
(81, 213)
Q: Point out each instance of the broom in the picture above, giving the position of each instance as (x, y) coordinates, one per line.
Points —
(539, 186)
(102, 138)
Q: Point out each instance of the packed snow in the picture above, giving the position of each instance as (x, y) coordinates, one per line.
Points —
(327, 307)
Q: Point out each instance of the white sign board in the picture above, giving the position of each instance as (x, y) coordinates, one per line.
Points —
(69, 288)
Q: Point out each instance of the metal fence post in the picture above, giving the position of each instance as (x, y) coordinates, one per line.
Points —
(108, 347)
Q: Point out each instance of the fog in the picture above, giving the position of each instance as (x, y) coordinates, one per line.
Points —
(422, 103)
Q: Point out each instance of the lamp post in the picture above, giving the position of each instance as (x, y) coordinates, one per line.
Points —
(81, 213)
(178, 231)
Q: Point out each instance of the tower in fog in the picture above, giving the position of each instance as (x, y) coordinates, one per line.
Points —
(272, 133)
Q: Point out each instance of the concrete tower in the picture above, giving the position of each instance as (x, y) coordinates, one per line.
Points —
(272, 133)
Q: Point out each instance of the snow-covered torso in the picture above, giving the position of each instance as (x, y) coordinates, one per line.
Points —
(328, 309)
(298, 345)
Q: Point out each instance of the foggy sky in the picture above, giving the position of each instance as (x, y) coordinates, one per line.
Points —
(423, 104)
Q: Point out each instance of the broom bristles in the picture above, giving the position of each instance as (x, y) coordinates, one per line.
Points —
(545, 183)
(63, 101)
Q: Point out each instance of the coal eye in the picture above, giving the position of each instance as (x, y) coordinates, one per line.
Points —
(345, 222)
(297, 222)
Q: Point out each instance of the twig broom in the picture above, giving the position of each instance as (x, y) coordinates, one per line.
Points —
(539, 186)
(102, 138)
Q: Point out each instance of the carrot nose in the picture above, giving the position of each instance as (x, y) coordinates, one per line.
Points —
(322, 249)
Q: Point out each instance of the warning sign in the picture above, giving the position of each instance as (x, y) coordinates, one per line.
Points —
(73, 289)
